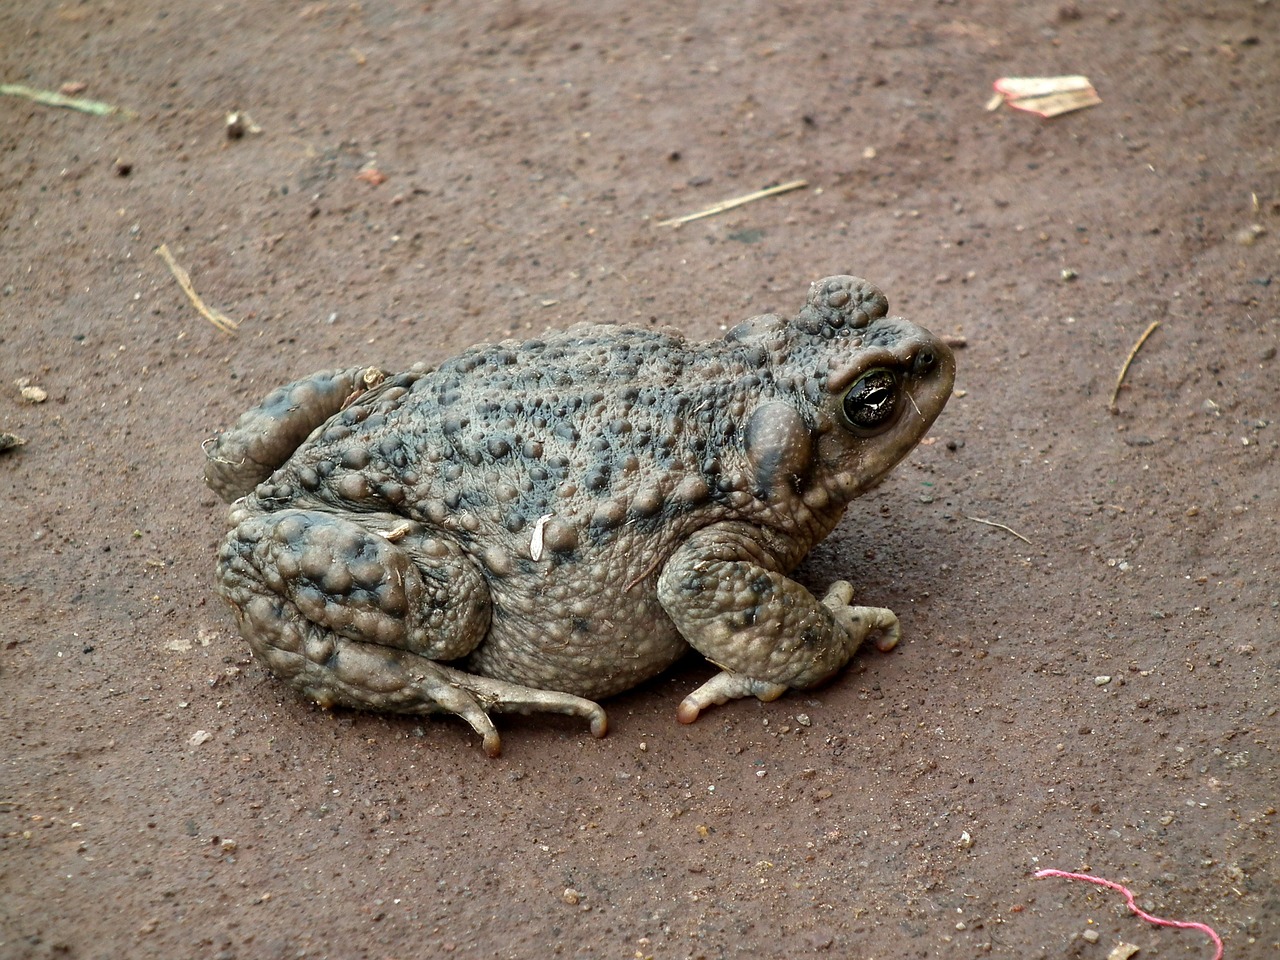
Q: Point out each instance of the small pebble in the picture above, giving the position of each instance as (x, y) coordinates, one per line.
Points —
(1249, 235)
(1091, 935)
(1101, 681)
(571, 896)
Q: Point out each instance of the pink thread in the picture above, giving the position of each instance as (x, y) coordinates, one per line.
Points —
(1158, 921)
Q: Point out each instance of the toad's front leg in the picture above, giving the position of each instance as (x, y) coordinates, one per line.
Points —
(356, 612)
(766, 632)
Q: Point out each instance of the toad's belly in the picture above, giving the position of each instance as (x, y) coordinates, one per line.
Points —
(591, 640)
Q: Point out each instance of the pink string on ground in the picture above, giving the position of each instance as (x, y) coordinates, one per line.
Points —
(1128, 896)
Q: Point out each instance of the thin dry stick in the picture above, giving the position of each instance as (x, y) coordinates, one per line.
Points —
(216, 317)
(992, 523)
(51, 98)
(1124, 371)
(724, 205)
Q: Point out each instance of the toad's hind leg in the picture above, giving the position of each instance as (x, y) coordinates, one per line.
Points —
(266, 436)
(355, 613)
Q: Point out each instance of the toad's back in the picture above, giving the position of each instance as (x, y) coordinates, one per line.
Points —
(601, 425)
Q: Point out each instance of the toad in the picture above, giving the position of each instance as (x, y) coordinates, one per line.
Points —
(536, 525)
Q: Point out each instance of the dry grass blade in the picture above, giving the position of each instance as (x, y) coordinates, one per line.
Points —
(51, 98)
(1001, 526)
(216, 317)
(1128, 361)
(724, 205)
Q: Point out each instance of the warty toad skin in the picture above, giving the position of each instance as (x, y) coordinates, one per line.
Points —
(536, 525)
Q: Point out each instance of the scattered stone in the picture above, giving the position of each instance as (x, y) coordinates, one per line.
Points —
(1248, 236)
(238, 123)
(30, 392)
(571, 896)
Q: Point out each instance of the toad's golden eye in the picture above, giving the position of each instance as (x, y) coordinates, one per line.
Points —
(871, 404)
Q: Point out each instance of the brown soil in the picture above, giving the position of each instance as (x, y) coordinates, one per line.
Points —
(529, 150)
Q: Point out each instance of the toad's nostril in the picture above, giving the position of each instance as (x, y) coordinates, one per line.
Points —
(926, 360)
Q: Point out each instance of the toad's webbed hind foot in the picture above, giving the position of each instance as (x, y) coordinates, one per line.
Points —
(337, 672)
(396, 681)
(498, 696)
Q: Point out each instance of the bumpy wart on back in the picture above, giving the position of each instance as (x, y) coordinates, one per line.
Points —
(536, 523)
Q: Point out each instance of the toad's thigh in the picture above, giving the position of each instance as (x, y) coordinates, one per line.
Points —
(368, 577)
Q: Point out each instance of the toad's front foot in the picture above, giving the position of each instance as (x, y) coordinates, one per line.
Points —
(861, 622)
(723, 687)
(853, 624)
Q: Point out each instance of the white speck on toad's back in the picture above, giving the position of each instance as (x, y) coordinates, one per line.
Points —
(535, 543)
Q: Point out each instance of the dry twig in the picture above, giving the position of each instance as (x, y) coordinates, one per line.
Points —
(216, 317)
(724, 205)
(1124, 370)
(992, 523)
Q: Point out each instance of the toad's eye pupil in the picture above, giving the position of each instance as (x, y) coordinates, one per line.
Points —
(876, 397)
(872, 401)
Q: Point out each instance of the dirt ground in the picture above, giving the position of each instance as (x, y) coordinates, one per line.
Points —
(162, 796)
